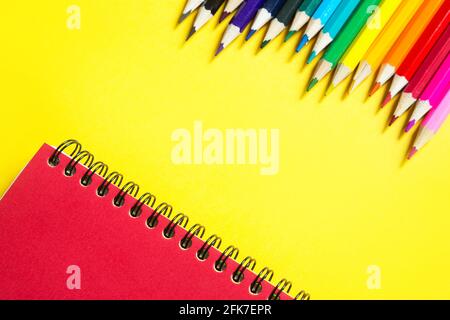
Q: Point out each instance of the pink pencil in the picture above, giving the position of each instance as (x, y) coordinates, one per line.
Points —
(423, 75)
(431, 125)
(433, 94)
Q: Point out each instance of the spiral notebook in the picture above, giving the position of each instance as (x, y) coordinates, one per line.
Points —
(71, 229)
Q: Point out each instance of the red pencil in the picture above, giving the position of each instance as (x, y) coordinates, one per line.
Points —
(419, 51)
(423, 75)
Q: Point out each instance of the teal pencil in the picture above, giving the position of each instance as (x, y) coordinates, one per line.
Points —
(304, 13)
(333, 26)
(343, 41)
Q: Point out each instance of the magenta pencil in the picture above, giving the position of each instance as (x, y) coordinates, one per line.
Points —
(431, 125)
(423, 74)
(433, 94)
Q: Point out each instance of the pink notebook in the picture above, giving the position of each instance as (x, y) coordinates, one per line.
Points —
(72, 229)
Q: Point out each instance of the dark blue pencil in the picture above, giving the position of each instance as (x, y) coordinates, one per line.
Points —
(264, 15)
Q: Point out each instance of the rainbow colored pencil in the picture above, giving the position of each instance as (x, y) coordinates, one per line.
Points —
(433, 94)
(431, 125)
(423, 75)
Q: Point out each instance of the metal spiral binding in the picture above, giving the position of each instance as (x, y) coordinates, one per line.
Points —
(212, 241)
(264, 274)
(302, 295)
(229, 252)
(196, 230)
(247, 263)
(87, 159)
(282, 286)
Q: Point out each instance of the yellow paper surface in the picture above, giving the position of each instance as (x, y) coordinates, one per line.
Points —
(344, 202)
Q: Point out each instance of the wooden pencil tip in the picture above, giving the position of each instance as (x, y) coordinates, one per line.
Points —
(219, 49)
(191, 33)
(312, 83)
(386, 99)
(374, 89)
(412, 152)
(223, 16)
(311, 57)
(250, 34)
(410, 125)
(329, 89)
(352, 87)
(289, 35)
(182, 17)
(393, 119)
(303, 41)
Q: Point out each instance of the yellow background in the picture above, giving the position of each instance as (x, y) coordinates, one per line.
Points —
(344, 197)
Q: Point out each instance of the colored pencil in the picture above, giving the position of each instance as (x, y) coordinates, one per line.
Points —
(433, 94)
(419, 52)
(379, 48)
(206, 12)
(302, 16)
(190, 6)
(423, 75)
(239, 22)
(356, 51)
(405, 42)
(343, 41)
(431, 125)
(281, 21)
(318, 21)
(229, 8)
(333, 26)
(264, 15)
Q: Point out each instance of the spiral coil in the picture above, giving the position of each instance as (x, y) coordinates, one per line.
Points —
(101, 169)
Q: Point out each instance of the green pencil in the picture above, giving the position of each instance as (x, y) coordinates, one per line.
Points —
(304, 13)
(343, 41)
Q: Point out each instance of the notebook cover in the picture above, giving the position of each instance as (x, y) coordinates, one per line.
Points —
(49, 222)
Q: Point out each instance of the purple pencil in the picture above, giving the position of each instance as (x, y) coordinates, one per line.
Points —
(242, 18)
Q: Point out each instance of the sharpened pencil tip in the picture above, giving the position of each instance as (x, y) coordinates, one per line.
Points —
(352, 87)
(386, 99)
(311, 57)
(191, 33)
(250, 34)
(182, 17)
(289, 35)
(393, 119)
(304, 40)
(219, 49)
(410, 125)
(412, 152)
(223, 16)
(374, 89)
(264, 43)
(312, 83)
(329, 89)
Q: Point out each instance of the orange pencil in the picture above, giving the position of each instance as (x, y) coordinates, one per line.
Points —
(422, 49)
(389, 34)
(405, 42)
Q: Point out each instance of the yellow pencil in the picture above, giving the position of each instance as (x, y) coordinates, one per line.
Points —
(383, 43)
(359, 47)
(406, 41)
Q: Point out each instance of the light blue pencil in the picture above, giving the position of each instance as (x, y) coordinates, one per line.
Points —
(334, 25)
(318, 20)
